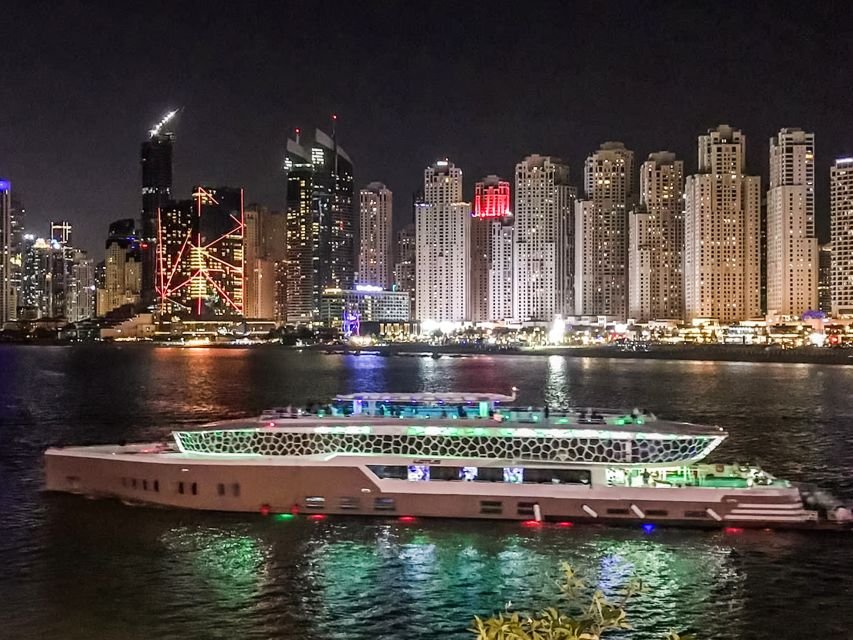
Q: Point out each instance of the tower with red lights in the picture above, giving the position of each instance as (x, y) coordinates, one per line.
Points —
(200, 265)
(491, 217)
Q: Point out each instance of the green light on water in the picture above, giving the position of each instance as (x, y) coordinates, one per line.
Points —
(283, 516)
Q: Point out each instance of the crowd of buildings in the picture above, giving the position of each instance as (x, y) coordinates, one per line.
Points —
(640, 242)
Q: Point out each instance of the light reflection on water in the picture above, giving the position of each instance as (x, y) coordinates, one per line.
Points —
(77, 569)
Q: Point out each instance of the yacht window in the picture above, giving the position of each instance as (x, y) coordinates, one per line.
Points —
(235, 489)
(695, 514)
(145, 485)
(384, 504)
(350, 503)
(514, 475)
(657, 512)
(399, 473)
(194, 488)
(220, 489)
(157, 486)
(418, 473)
(133, 483)
(617, 512)
(491, 506)
(490, 474)
(468, 473)
(526, 508)
(315, 502)
(181, 488)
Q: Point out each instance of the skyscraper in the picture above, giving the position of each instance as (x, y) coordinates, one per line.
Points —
(442, 228)
(722, 259)
(601, 224)
(200, 254)
(320, 250)
(543, 240)
(6, 297)
(656, 240)
(404, 267)
(491, 208)
(60, 231)
(375, 256)
(841, 232)
(16, 253)
(792, 248)
(156, 161)
(122, 279)
(80, 287)
(264, 244)
(824, 278)
(45, 279)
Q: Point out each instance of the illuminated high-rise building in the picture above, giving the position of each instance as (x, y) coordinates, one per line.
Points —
(45, 279)
(156, 162)
(60, 231)
(489, 217)
(6, 293)
(792, 247)
(601, 232)
(80, 286)
(722, 256)
(656, 240)
(376, 255)
(320, 249)
(442, 237)
(264, 249)
(543, 240)
(404, 267)
(824, 278)
(122, 276)
(200, 254)
(841, 233)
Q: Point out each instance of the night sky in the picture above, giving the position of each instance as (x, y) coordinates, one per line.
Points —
(483, 84)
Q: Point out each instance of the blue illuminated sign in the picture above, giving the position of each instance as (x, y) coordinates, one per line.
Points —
(5, 185)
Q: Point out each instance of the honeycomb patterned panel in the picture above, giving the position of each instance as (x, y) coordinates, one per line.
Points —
(592, 450)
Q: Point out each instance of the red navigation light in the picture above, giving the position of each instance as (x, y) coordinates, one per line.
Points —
(733, 530)
(565, 524)
(317, 516)
(407, 518)
(265, 510)
(531, 524)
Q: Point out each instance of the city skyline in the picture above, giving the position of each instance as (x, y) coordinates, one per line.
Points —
(89, 175)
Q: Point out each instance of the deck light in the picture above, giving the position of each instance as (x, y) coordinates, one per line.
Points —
(317, 516)
(407, 519)
(733, 530)
(283, 516)
(531, 524)
(565, 524)
(648, 527)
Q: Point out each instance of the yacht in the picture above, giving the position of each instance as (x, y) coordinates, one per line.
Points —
(448, 455)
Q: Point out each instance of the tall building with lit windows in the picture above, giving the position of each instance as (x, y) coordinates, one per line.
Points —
(404, 267)
(320, 245)
(7, 299)
(490, 214)
(156, 163)
(601, 232)
(263, 251)
(200, 262)
(376, 255)
(841, 232)
(442, 237)
(122, 281)
(722, 253)
(655, 241)
(792, 247)
(543, 240)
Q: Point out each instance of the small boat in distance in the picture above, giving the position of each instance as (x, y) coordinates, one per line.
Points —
(448, 455)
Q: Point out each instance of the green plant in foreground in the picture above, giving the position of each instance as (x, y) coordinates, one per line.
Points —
(570, 621)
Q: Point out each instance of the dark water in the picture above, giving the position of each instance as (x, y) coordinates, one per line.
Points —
(77, 569)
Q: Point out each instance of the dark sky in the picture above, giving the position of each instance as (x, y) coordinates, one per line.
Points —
(484, 84)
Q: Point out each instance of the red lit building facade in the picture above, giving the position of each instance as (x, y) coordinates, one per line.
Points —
(491, 217)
